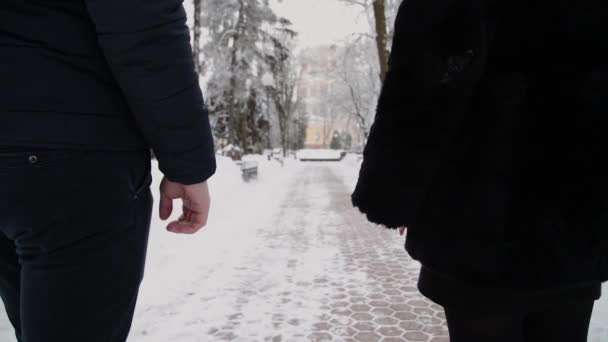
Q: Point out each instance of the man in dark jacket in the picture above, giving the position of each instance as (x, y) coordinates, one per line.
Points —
(87, 87)
(490, 146)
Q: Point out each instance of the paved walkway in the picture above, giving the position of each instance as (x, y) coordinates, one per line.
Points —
(318, 272)
(355, 278)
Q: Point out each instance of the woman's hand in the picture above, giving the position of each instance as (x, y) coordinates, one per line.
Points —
(402, 230)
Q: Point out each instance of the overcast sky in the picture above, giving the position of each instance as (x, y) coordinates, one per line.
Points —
(322, 22)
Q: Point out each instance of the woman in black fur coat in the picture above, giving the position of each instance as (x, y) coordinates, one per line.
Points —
(490, 144)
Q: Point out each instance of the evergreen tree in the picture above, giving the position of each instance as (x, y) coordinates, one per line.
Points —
(242, 36)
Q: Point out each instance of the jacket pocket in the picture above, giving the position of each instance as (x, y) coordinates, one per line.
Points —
(141, 176)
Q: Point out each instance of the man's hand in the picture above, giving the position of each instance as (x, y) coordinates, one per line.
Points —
(195, 210)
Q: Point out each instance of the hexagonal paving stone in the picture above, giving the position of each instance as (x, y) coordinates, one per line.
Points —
(397, 299)
(360, 307)
(321, 326)
(429, 320)
(411, 326)
(383, 312)
(436, 321)
(392, 292)
(340, 321)
(358, 300)
(379, 304)
(386, 321)
(367, 337)
(424, 311)
(389, 331)
(341, 312)
(320, 337)
(409, 289)
(392, 339)
(416, 336)
(324, 317)
(343, 331)
(376, 296)
(436, 330)
(339, 296)
(400, 275)
(440, 314)
(362, 316)
(441, 339)
(405, 316)
(365, 326)
(339, 304)
(419, 303)
(400, 307)
(388, 284)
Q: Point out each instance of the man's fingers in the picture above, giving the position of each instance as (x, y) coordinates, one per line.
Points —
(195, 205)
(198, 220)
(165, 207)
(178, 227)
(186, 214)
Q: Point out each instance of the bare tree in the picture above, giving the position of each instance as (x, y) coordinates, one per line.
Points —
(281, 85)
(358, 85)
(382, 14)
(378, 10)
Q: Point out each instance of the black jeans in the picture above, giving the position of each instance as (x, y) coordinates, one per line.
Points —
(73, 237)
(562, 321)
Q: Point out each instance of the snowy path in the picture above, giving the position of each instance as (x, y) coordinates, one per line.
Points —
(286, 259)
(315, 271)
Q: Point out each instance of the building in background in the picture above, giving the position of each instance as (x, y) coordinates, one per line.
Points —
(321, 99)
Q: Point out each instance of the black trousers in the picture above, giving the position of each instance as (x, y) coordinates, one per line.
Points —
(73, 236)
(564, 320)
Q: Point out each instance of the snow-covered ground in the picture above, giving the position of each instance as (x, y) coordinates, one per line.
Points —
(599, 321)
(319, 155)
(284, 258)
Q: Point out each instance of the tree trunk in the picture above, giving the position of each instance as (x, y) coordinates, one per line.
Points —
(282, 117)
(234, 113)
(252, 110)
(381, 36)
(196, 39)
